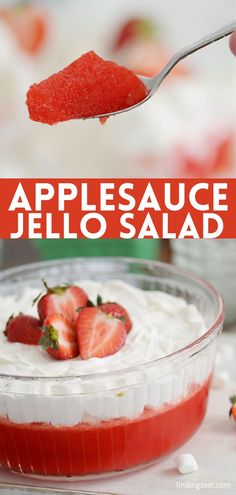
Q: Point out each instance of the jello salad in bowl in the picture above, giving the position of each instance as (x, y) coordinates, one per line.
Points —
(105, 363)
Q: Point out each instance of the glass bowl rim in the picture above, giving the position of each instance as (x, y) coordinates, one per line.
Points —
(193, 346)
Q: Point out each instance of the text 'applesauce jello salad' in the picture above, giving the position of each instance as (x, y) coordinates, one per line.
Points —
(81, 391)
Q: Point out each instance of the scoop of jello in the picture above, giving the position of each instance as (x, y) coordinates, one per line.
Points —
(88, 87)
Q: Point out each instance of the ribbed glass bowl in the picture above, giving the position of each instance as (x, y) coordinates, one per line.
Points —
(82, 426)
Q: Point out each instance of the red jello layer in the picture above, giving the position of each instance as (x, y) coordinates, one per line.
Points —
(112, 445)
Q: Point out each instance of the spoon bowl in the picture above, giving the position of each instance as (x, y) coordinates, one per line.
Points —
(153, 83)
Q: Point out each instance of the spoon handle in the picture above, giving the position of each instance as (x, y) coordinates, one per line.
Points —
(194, 47)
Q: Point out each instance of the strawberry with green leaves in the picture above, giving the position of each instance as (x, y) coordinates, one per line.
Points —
(99, 335)
(232, 412)
(59, 337)
(139, 45)
(133, 29)
(116, 310)
(64, 299)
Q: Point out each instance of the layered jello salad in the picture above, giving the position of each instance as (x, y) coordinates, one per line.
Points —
(86, 394)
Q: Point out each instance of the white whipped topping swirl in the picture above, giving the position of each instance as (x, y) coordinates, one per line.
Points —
(162, 324)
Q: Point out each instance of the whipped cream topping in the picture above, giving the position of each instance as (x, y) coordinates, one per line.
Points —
(162, 324)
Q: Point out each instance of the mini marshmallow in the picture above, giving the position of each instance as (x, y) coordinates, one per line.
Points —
(186, 463)
(220, 379)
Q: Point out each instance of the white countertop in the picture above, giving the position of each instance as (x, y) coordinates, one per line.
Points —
(214, 447)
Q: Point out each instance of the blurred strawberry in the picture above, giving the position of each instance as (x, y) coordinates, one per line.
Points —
(29, 25)
(217, 160)
(133, 30)
(139, 46)
(232, 43)
(232, 412)
(148, 57)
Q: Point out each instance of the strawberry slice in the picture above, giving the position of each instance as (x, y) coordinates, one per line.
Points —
(59, 337)
(24, 329)
(117, 311)
(88, 87)
(99, 335)
(65, 299)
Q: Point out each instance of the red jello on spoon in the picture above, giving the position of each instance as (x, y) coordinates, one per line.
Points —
(88, 87)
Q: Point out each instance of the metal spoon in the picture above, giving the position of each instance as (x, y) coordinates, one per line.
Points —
(153, 83)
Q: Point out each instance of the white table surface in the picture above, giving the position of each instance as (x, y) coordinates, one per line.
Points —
(213, 446)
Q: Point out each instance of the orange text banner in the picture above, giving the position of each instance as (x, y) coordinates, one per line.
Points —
(117, 208)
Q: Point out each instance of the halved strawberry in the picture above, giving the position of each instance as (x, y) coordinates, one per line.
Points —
(117, 311)
(59, 337)
(99, 335)
(64, 299)
(24, 329)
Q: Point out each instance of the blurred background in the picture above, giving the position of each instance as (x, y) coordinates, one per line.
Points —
(186, 130)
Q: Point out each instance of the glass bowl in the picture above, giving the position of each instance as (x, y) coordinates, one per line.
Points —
(81, 426)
